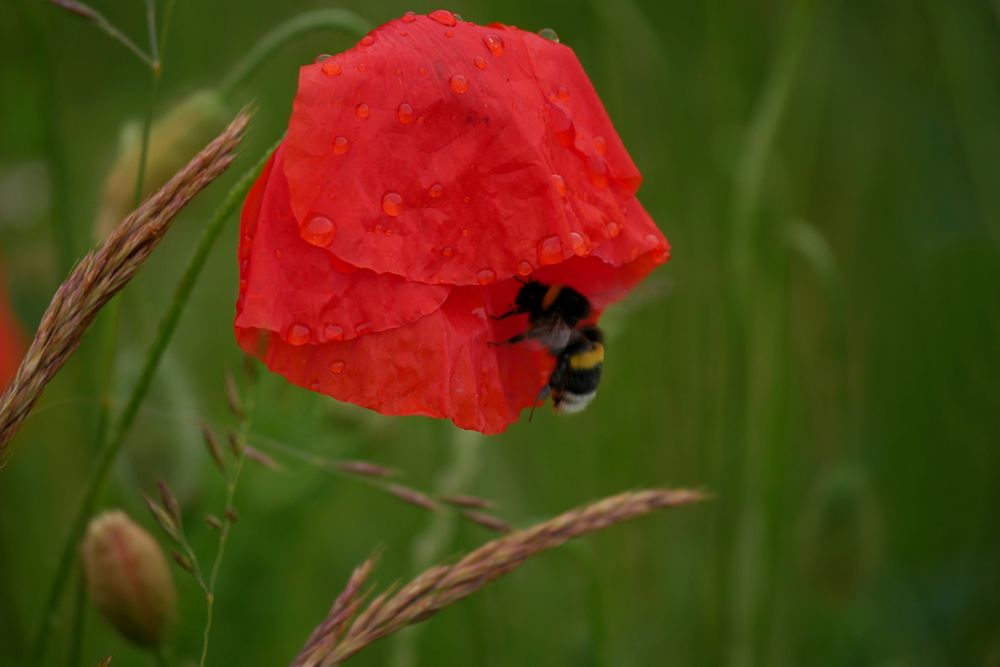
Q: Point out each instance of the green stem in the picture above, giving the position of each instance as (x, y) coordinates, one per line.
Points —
(265, 47)
(228, 520)
(113, 443)
(79, 620)
(160, 656)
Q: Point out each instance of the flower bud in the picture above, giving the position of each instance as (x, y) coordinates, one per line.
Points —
(174, 138)
(128, 578)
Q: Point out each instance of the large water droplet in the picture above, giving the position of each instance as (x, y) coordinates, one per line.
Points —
(341, 145)
(331, 68)
(337, 366)
(298, 334)
(363, 110)
(405, 113)
(563, 94)
(494, 43)
(318, 231)
(392, 203)
(458, 83)
(444, 17)
(579, 244)
(600, 145)
(485, 276)
(560, 185)
(368, 39)
(524, 267)
(613, 229)
(409, 17)
(321, 57)
(549, 34)
(549, 250)
(331, 333)
(436, 191)
(479, 62)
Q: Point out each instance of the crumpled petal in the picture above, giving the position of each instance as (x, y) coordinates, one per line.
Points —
(523, 167)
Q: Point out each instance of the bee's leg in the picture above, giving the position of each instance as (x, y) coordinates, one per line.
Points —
(542, 395)
(510, 313)
(510, 341)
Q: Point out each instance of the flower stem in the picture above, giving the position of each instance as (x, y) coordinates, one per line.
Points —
(113, 442)
(264, 49)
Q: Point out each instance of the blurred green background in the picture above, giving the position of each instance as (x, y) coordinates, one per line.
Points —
(822, 352)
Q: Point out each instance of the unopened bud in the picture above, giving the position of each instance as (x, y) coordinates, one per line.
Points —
(128, 578)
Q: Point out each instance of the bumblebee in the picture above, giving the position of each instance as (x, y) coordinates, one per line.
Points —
(573, 382)
(554, 313)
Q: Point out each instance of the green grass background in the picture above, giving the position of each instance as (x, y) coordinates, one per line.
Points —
(821, 352)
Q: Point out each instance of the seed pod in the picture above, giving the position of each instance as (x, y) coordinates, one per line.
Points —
(128, 578)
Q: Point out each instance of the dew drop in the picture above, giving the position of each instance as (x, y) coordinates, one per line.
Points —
(458, 83)
(331, 332)
(331, 68)
(449, 33)
(479, 62)
(405, 113)
(579, 244)
(318, 231)
(598, 171)
(337, 366)
(341, 145)
(363, 110)
(321, 57)
(524, 268)
(600, 145)
(392, 203)
(494, 43)
(362, 328)
(298, 334)
(448, 252)
(563, 94)
(409, 17)
(560, 185)
(368, 39)
(485, 276)
(444, 17)
(314, 385)
(652, 240)
(550, 250)
(436, 191)
(361, 67)
(549, 34)
(613, 229)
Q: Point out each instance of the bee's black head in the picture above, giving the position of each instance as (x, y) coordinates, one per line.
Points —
(530, 296)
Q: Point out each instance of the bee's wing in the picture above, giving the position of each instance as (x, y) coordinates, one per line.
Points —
(552, 333)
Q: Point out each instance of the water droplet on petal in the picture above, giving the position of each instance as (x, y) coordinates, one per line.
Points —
(549, 34)
(368, 39)
(524, 267)
(443, 16)
(362, 328)
(436, 191)
(550, 250)
(321, 57)
(494, 43)
(331, 68)
(613, 229)
(449, 33)
(331, 332)
(485, 276)
(409, 17)
(298, 334)
(458, 83)
(341, 145)
(563, 93)
(405, 113)
(560, 184)
(600, 145)
(363, 110)
(361, 67)
(448, 252)
(598, 171)
(392, 203)
(579, 244)
(337, 366)
(479, 62)
(318, 231)
(314, 385)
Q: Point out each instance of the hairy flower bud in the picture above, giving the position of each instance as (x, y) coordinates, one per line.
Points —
(128, 578)
(174, 138)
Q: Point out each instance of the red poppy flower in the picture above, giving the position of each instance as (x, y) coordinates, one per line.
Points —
(11, 339)
(424, 172)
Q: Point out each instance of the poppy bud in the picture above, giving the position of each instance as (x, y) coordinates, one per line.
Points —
(128, 578)
(425, 173)
(180, 133)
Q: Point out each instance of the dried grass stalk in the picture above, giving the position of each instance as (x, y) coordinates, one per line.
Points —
(102, 274)
(443, 585)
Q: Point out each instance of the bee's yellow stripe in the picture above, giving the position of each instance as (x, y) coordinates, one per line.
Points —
(587, 360)
(550, 296)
